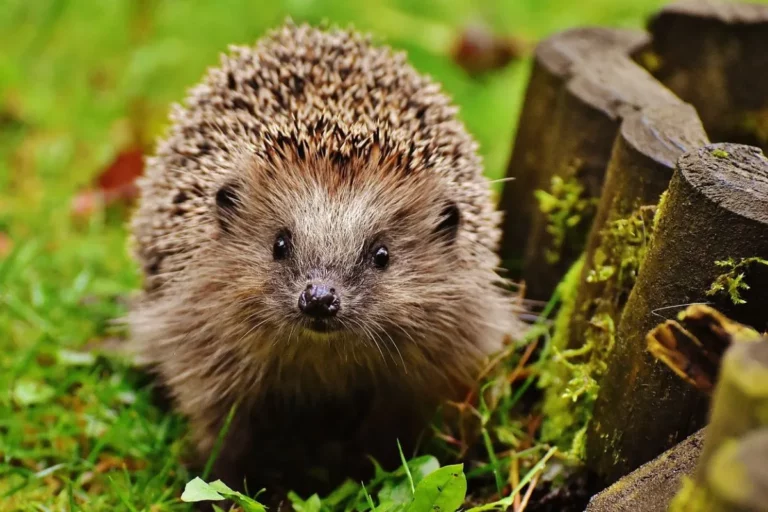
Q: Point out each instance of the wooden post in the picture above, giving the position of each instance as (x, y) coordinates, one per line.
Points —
(652, 486)
(649, 143)
(553, 66)
(732, 472)
(605, 86)
(644, 154)
(713, 55)
(716, 209)
(643, 159)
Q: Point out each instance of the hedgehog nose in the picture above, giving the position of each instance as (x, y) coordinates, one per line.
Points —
(319, 301)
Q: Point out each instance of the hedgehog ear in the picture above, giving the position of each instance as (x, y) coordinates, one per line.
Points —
(450, 218)
(227, 205)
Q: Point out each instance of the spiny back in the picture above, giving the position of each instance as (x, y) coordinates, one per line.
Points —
(301, 93)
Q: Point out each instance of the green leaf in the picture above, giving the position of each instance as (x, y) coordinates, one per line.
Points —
(342, 493)
(394, 494)
(30, 392)
(311, 504)
(198, 490)
(246, 503)
(74, 358)
(441, 491)
(423, 466)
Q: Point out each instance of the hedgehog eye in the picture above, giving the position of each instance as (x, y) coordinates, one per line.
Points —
(282, 246)
(381, 257)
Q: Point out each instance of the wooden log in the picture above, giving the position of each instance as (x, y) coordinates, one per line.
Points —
(605, 87)
(644, 154)
(652, 486)
(732, 472)
(553, 66)
(716, 209)
(713, 55)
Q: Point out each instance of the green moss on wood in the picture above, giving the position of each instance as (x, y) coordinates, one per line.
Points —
(569, 376)
(566, 207)
(623, 247)
(732, 282)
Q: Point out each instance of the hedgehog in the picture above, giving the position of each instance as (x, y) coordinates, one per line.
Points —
(318, 247)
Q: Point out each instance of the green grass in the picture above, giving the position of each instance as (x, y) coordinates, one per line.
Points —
(80, 80)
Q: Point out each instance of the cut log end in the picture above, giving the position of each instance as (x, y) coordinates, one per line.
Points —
(731, 175)
(663, 133)
(731, 13)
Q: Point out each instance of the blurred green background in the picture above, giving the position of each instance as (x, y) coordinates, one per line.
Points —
(82, 81)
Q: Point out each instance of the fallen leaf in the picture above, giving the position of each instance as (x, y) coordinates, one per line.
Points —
(116, 184)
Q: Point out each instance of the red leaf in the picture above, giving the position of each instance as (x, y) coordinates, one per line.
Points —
(116, 184)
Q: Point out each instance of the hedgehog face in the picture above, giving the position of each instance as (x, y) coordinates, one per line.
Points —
(344, 259)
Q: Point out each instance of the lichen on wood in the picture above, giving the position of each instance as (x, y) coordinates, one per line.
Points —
(564, 420)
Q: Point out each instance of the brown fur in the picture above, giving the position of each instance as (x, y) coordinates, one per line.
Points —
(345, 145)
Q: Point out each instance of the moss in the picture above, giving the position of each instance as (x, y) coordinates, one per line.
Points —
(719, 153)
(572, 375)
(569, 376)
(733, 282)
(624, 244)
(660, 209)
(565, 207)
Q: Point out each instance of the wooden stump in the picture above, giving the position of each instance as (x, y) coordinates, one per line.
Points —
(713, 55)
(732, 472)
(643, 160)
(554, 64)
(648, 145)
(716, 210)
(605, 87)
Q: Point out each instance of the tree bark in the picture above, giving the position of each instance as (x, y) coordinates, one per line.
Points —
(553, 66)
(713, 55)
(716, 209)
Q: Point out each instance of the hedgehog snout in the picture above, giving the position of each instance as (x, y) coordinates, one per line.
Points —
(319, 301)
